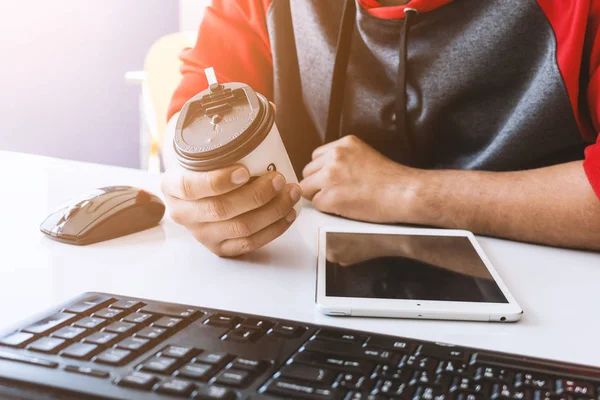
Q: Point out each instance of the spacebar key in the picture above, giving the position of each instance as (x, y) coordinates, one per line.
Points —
(290, 389)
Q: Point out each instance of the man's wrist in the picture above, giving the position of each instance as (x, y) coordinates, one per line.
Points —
(415, 197)
(447, 199)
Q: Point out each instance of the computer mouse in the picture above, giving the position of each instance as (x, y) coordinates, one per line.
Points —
(103, 214)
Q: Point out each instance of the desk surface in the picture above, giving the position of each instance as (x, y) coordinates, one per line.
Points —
(558, 289)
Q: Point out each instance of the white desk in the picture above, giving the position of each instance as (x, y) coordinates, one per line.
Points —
(558, 289)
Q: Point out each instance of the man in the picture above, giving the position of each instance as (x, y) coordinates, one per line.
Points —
(469, 114)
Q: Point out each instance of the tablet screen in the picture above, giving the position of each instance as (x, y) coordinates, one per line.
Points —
(415, 267)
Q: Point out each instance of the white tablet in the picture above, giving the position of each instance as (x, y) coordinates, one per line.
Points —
(409, 273)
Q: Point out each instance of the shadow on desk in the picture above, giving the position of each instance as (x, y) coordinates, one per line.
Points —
(279, 255)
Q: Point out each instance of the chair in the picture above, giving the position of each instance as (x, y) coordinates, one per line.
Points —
(158, 82)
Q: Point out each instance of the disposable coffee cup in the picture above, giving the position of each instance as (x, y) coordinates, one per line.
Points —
(231, 124)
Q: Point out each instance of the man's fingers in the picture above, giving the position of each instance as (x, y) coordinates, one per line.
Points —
(236, 247)
(311, 185)
(229, 205)
(313, 167)
(251, 222)
(319, 151)
(183, 184)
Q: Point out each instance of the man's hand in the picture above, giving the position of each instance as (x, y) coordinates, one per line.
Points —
(227, 214)
(552, 205)
(349, 178)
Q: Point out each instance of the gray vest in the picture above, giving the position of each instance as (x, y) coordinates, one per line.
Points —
(484, 90)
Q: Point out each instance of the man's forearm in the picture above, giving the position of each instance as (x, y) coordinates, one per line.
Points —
(554, 205)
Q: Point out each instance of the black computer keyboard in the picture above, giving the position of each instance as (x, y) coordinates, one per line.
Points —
(107, 346)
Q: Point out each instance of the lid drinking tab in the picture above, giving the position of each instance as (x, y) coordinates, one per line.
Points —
(211, 77)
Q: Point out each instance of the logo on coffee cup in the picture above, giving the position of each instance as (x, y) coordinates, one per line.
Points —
(272, 167)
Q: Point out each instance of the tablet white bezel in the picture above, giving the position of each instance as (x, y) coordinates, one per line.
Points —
(423, 309)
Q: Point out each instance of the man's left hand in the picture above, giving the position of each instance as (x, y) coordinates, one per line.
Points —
(351, 179)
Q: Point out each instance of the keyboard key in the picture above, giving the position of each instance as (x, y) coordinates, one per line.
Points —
(288, 331)
(308, 373)
(443, 352)
(90, 322)
(138, 380)
(451, 367)
(163, 365)
(417, 362)
(223, 320)
(351, 364)
(69, 333)
(541, 395)
(353, 381)
(494, 374)
(17, 339)
(151, 333)
(291, 389)
(380, 355)
(113, 356)
(201, 372)
(248, 364)
(323, 346)
(392, 387)
(127, 305)
(340, 336)
(91, 303)
(101, 338)
(172, 311)
(521, 394)
(233, 377)
(47, 345)
(137, 318)
(469, 396)
(177, 352)
(50, 323)
(533, 381)
(464, 384)
(213, 358)
(214, 393)
(391, 372)
(362, 396)
(383, 342)
(133, 343)
(27, 360)
(168, 322)
(243, 335)
(97, 373)
(501, 391)
(120, 327)
(576, 388)
(176, 387)
(429, 393)
(257, 323)
(79, 350)
(108, 313)
(422, 378)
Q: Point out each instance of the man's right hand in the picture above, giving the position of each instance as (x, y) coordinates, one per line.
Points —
(227, 213)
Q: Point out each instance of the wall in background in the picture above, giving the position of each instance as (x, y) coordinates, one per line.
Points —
(191, 13)
(62, 66)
